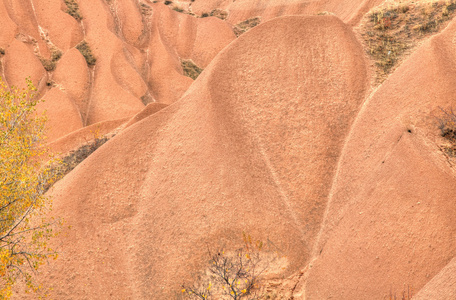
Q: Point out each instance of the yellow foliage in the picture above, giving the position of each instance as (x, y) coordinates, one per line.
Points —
(24, 232)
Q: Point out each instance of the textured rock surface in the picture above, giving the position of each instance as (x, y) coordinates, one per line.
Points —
(280, 136)
(137, 46)
(391, 217)
(234, 154)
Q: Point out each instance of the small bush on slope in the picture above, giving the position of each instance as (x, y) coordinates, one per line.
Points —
(246, 25)
(190, 69)
(50, 64)
(447, 125)
(232, 275)
(73, 9)
(85, 50)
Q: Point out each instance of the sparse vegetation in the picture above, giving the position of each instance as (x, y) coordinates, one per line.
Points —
(231, 275)
(168, 2)
(390, 31)
(246, 25)
(325, 13)
(56, 55)
(85, 50)
(190, 69)
(145, 9)
(204, 15)
(24, 229)
(50, 64)
(2, 51)
(178, 9)
(75, 157)
(447, 125)
(219, 13)
(407, 294)
(73, 9)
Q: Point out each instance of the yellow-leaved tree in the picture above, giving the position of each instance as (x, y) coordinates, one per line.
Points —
(24, 229)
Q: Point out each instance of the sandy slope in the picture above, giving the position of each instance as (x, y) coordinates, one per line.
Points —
(138, 46)
(348, 10)
(138, 54)
(391, 217)
(234, 154)
(278, 137)
(441, 286)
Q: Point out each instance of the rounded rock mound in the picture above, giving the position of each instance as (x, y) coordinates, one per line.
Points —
(251, 146)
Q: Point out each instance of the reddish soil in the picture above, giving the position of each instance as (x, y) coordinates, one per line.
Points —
(281, 136)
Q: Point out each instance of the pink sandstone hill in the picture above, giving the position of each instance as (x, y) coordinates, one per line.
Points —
(231, 155)
(281, 136)
(391, 202)
(348, 10)
(137, 49)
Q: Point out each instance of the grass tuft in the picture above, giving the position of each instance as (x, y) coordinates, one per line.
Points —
(84, 48)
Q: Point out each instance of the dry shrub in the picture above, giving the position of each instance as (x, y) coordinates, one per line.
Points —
(191, 69)
(390, 31)
(233, 275)
(85, 50)
(73, 9)
(75, 157)
(219, 13)
(447, 126)
(246, 25)
(50, 64)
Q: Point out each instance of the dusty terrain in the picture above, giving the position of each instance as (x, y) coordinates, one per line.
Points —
(287, 134)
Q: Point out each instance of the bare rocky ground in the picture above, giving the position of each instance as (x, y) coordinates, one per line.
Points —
(311, 125)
